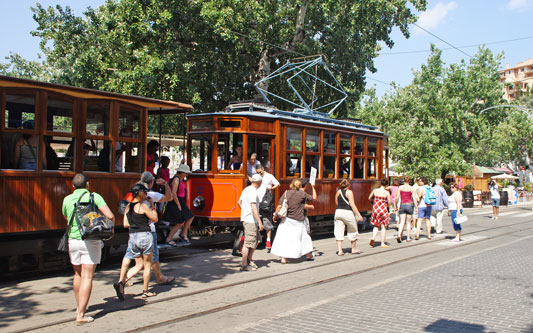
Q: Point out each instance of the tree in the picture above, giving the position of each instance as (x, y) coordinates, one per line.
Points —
(211, 52)
(434, 124)
(24, 69)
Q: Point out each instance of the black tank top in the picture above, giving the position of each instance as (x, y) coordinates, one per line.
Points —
(138, 222)
(343, 204)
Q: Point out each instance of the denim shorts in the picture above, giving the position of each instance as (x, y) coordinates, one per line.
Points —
(424, 212)
(406, 208)
(140, 243)
(495, 202)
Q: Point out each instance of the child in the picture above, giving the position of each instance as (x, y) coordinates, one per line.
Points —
(163, 171)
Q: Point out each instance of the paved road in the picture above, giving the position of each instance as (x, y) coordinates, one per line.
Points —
(480, 285)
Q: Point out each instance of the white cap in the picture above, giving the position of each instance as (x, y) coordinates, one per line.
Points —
(256, 178)
(438, 181)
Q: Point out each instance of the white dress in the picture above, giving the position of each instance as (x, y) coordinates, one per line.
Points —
(292, 240)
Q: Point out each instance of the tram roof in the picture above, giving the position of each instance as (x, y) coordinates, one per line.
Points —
(258, 110)
(153, 105)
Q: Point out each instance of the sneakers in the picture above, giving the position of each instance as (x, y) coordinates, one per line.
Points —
(268, 246)
(247, 268)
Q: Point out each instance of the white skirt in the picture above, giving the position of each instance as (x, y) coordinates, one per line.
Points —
(292, 240)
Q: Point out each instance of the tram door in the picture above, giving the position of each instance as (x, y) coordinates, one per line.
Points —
(264, 148)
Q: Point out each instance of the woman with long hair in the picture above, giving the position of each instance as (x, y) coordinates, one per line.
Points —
(292, 240)
(455, 207)
(346, 216)
(404, 202)
(380, 212)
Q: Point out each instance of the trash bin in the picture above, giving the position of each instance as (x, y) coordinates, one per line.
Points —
(468, 199)
(504, 198)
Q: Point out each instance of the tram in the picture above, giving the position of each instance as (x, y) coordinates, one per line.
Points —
(287, 144)
(71, 130)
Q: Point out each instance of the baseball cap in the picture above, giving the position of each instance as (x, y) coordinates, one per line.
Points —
(256, 178)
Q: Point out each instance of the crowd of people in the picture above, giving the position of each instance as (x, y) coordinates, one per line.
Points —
(410, 202)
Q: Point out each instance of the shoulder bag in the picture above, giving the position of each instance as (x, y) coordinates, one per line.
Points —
(63, 242)
(284, 206)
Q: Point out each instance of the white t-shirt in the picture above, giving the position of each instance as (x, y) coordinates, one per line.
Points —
(268, 182)
(494, 192)
(156, 197)
(251, 168)
(248, 196)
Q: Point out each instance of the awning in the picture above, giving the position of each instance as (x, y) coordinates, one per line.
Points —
(479, 171)
(506, 170)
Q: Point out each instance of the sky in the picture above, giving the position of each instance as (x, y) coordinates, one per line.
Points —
(502, 25)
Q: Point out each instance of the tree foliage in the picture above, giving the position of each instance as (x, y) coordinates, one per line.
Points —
(436, 125)
(211, 52)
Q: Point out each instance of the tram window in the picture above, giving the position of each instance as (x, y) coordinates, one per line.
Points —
(59, 115)
(230, 124)
(229, 152)
(330, 165)
(329, 143)
(294, 138)
(97, 157)
(128, 123)
(359, 168)
(128, 157)
(359, 146)
(294, 162)
(372, 146)
(201, 124)
(345, 167)
(98, 118)
(58, 152)
(371, 168)
(346, 144)
(312, 140)
(311, 161)
(20, 150)
(201, 151)
(19, 108)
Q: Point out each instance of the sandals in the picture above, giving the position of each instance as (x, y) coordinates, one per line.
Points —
(339, 254)
(372, 243)
(81, 322)
(147, 294)
(172, 243)
(398, 239)
(356, 251)
(167, 281)
(119, 289)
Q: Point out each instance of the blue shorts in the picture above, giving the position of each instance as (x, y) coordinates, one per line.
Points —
(456, 226)
(406, 209)
(424, 212)
(495, 202)
(155, 257)
(139, 243)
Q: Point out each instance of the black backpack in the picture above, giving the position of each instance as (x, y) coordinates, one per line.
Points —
(267, 203)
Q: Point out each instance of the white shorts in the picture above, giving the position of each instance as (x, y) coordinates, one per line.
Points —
(85, 251)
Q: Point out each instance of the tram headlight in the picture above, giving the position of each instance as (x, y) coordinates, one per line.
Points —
(198, 202)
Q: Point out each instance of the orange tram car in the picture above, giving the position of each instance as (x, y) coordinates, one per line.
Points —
(288, 144)
(72, 130)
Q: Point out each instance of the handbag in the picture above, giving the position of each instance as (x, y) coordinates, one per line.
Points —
(63, 242)
(284, 206)
(461, 219)
(91, 222)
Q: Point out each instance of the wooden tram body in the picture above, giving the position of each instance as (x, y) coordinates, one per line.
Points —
(287, 143)
(76, 130)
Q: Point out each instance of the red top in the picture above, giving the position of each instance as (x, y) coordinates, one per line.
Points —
(406, 196)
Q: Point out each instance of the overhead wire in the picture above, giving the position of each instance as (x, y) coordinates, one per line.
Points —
(442, 40)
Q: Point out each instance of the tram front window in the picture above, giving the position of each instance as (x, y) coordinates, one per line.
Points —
(229, 152)
(201, 151)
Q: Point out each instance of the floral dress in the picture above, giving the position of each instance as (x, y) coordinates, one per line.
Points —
(380, 212)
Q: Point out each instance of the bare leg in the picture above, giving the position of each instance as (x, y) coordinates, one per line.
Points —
(497, 209)
(402, 224)
(173, 231)
(134, 270)
(428, 226)
(245, 252)
(250, 254)
(383, 235)
(76, 281)
(375, 231)
(84, 289)
(186, 227)
(339, 247)
(408, 218)
(354, 247)
(124, 269)
(147, 260)
(418, 227)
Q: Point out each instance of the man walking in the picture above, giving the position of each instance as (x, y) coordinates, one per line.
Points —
(438, 209)
(84, 254)
(251, 223)
(268, 184)
(494, 199)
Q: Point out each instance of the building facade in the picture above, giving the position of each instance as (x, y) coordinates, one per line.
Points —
(517, 80)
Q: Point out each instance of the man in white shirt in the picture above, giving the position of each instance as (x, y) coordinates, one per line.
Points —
(495, 199)
(251, 222)
(269, 183)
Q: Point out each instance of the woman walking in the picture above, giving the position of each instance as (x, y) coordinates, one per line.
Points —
(141, 242)
(455, 206)
(380, 212)
(346, 216)
(404, 200)
(292, 240)
(176, 212)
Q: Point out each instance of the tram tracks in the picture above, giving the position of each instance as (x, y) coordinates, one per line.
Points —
(271, 294)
